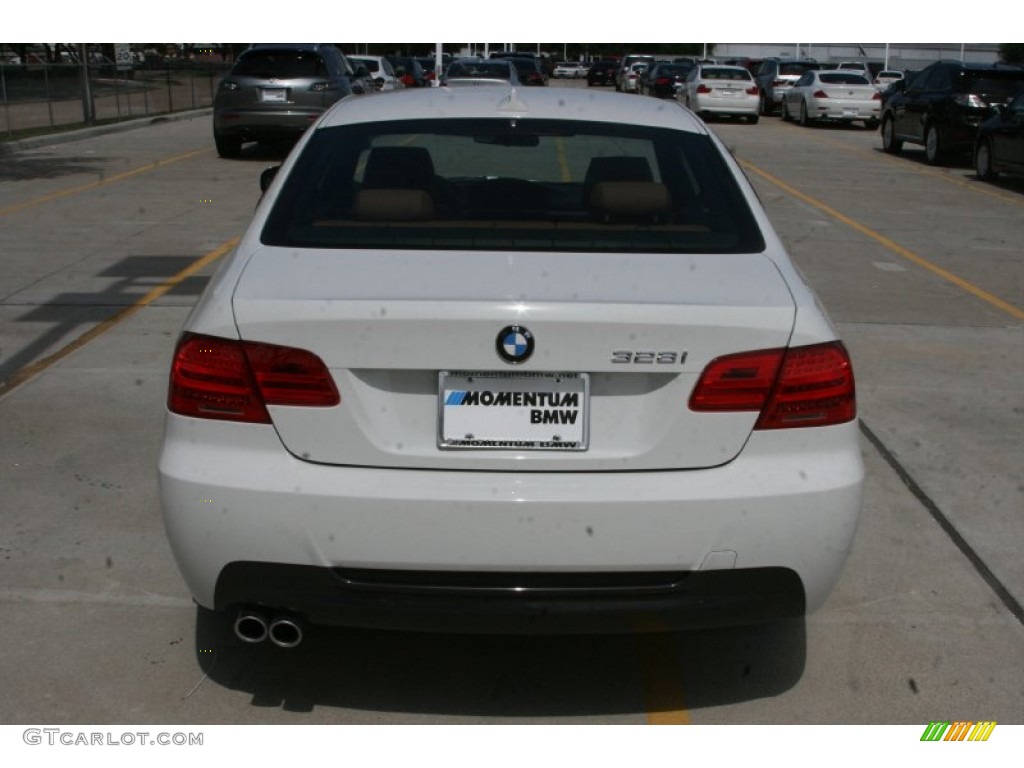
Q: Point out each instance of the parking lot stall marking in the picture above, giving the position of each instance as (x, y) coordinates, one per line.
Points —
(34, 369)
(891, 245)
(975, 186)
(155, 165)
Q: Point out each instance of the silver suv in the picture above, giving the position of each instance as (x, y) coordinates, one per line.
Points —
(276, 90)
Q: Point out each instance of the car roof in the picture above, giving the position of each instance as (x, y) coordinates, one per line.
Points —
(540, 103)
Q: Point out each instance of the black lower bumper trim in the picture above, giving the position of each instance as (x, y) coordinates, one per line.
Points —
(504, 603)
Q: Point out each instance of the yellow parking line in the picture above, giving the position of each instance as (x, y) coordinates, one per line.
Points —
(945, 274)
(563, 161)
(101, 183)
(34, 369)
(661, 674)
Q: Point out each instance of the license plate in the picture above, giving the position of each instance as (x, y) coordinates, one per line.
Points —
(849, 113)
(513, 411)
(273, 94)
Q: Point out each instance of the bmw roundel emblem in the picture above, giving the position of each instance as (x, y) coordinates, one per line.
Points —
(514, 344)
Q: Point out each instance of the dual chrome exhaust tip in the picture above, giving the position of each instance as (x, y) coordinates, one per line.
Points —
(253, 626)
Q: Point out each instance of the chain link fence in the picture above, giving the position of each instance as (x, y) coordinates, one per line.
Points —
(35, 98)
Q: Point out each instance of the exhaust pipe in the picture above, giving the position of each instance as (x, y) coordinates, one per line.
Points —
(251, 626)
(285, 632)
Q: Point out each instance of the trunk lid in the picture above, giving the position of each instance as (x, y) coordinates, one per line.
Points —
(386, 323)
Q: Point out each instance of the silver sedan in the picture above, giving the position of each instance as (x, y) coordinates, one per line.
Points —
(833, 95)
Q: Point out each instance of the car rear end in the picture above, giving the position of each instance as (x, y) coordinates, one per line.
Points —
(844, 96)
(566, 381)
(976, 91)
(725, 91)
(274, 93)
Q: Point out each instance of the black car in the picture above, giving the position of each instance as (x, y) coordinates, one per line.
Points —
(943, 105)
(661, 79)
(1000, 144)
(602, 73)
(530, 71)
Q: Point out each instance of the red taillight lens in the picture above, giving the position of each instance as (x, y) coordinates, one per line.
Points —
(703, 89)
(215, 378)
(407, 81)
(876, 96)
(753, 90)
(737, 382)
(820, 94)
(800, 387)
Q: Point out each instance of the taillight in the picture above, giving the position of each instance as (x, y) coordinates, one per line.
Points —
(809, 386)
(876, 96)
(703, 89)
(407, 81)
(215, 378)
(820, 94)
(753, 90)
(662, 81)
(969, 100)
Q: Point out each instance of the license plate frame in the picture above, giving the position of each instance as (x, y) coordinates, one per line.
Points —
(274, 95)
(469, 419)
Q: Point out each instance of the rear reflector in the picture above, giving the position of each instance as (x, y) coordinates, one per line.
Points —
(215, 378)
(800, 387)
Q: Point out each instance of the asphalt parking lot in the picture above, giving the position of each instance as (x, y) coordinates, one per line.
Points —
(108, 240)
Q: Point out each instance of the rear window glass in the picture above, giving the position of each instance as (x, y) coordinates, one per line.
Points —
(843, 78)
(492, 69)
(512, 184)
(280, 64)
(372, 65)
(1006, 86)
(721, 73)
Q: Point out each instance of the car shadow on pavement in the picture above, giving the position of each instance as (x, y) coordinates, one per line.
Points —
(414, 676)
(19, 167)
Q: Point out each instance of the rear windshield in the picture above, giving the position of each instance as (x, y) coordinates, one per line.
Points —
(843, 78)
(493, 69)
(1005, 85)
(724, 73)
(512, 184)
(280, 64)
(372, 65)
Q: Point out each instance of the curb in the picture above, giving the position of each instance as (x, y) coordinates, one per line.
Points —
(13, 147)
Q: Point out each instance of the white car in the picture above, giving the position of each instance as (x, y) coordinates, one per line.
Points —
(835, 95)
(381, 72)
(887, 77)
(509, 360)
(571, 69)
(717, 90)
(631, 77)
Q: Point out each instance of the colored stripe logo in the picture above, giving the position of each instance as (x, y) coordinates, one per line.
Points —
(958, 730)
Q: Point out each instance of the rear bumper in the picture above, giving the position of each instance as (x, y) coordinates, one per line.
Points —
(262, 124)
(232, 495)
(526, 603)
